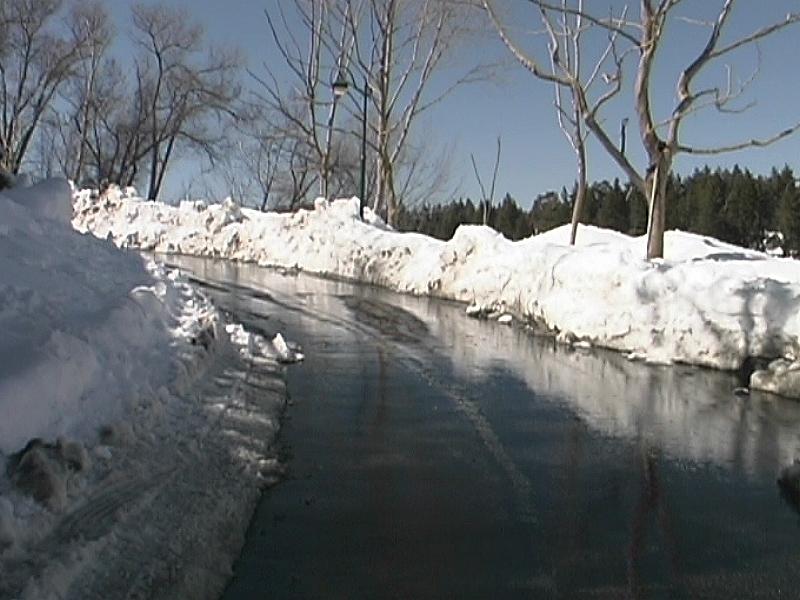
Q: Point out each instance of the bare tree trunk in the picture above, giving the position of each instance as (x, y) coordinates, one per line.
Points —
(377, 200)
(387, 25)
(580, 196)
(400, 52)
(392, 205)
(151, 186)
(163, 166)
(84, 135)
(96, 49)
(656, 182)
(325, 169)
(36, 62)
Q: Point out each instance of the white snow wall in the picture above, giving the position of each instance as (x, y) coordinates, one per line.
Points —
(709, 303)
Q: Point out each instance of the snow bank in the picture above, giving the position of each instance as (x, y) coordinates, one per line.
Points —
(709, 303)
(122, 394)
(49, 199)
(86, 328)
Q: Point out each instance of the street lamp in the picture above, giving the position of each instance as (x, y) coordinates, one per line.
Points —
(340, 88)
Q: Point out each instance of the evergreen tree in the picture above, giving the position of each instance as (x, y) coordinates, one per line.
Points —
(637, 211)
(679, 215)
(731, 205)
(549, 211)
(789, 219)
(741, 215)
(707, 199)
(613, 212)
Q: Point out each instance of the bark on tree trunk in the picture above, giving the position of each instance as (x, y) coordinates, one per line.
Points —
(163, 167)
(323, 178)
(377, 203)
(580, 197)
(656, 222)
(392, 207)
(151, 187)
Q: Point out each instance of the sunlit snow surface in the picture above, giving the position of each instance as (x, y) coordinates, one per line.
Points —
(707, 303)
(155, 415)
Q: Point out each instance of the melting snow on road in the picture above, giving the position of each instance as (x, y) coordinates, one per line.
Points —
(708, 303)
(134, 422)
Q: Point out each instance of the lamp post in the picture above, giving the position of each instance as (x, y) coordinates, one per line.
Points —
(622, 127)
(340, 88)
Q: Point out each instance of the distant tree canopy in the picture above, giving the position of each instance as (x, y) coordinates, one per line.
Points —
(732, 205)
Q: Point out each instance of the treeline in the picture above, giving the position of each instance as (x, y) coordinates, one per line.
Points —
(733, 205)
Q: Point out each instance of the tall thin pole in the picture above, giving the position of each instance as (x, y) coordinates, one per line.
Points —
(364, 149)
(622, 127)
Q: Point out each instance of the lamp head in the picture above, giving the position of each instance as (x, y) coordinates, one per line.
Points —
(340, 85)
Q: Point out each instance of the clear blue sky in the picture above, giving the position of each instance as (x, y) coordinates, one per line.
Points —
(517, 107)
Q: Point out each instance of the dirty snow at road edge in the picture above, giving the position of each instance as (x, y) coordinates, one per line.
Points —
(135, 423)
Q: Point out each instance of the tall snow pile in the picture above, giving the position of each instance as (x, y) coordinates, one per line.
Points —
(709, 303)
(86, 328)
(122, 392)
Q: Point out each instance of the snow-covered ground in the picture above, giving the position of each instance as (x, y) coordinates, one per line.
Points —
(708, 303)
(135, 424)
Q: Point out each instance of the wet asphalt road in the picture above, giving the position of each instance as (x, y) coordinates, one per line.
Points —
(432, 456)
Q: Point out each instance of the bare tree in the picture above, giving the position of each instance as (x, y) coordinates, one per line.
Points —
(423, 170)
(398, 52)
(63, 139)
(487, 200)
(115, 123)
(566, 49)
(116, 140)
(386, 49)
(180, 91)
(254, 159)
(271, 163)
(662, 142)
(315, 53)
(565, 29)
(91, 23)
(36, 58)
(302, 177)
